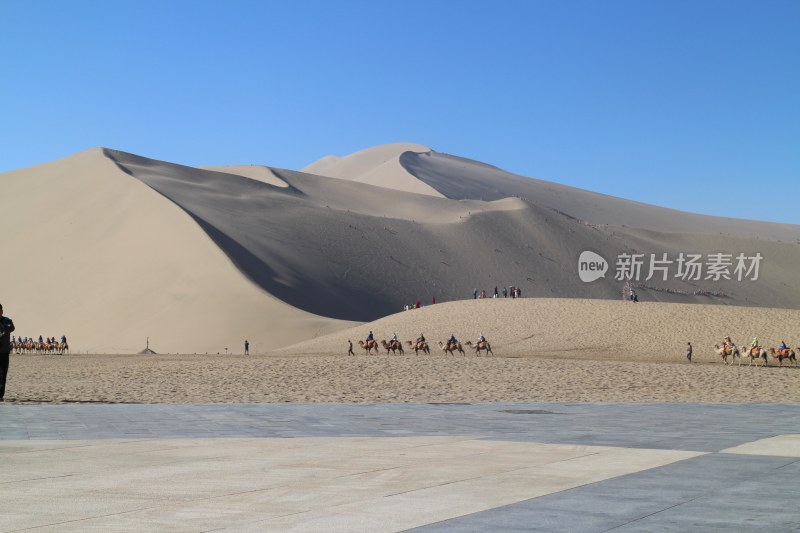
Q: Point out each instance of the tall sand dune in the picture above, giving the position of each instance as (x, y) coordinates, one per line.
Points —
(95, 254)
(118, 247)
(460, 178)
(379, 165)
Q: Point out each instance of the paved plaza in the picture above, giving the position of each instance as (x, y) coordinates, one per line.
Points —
(399, 467)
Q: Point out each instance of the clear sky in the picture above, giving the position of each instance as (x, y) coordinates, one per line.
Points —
(693, 105)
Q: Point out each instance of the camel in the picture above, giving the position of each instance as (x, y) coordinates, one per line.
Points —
(369, 346)
(393, 346)
(755, 353)
(420, 345)
(725, 351)
(483, 345)
(448, 348)
(780, 355)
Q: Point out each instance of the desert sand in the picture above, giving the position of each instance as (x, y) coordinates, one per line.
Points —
(544, 350)
(377, 379)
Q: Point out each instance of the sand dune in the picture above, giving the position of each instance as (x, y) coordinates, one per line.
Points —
(460, 178)
(350, 250)
(254, 172)
(379, 166)
(108, 262)
(577, 328)
(125, 247)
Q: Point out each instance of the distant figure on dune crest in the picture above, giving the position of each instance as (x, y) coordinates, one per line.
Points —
(419, 304)
(433, 300)
(633, 297)
(483, 293)
(505, 292)
(496, 294)
(475, 294)
(246, 347)
(689, 351)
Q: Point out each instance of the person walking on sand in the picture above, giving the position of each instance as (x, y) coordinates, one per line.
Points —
(350, 349)
(6, 328)
(475, 294)
(246, 347)
(496, 294)
(689, 351)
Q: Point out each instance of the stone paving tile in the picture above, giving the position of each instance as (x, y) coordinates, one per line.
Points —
(706, 493)
(713, 492)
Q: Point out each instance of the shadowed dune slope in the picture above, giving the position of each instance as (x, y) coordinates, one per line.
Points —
(347, 250)
(575, 328)
(254, 172)
(108, 262)
(459, 178)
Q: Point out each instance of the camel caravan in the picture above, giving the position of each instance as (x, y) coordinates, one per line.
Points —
(20, 345)
(449, 347)
(755, 353)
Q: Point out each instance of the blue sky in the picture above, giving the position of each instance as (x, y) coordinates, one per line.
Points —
(691, 105)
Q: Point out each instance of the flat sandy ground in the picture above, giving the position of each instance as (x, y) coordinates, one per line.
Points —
(372, 379)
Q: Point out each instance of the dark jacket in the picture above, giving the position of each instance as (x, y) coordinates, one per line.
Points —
(6, 327)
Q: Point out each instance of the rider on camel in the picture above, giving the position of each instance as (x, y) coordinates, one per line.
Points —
(394, 338)
(370, 337)
(783, 346)
(726, 340)
(421, 338)
(452, 342)
(481, 338)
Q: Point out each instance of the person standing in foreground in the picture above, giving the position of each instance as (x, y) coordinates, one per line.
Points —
(6, 327)
(689, 351)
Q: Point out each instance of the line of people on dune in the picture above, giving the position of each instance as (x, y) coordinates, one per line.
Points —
(421, 343)
(514, 292)
(29, 344)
